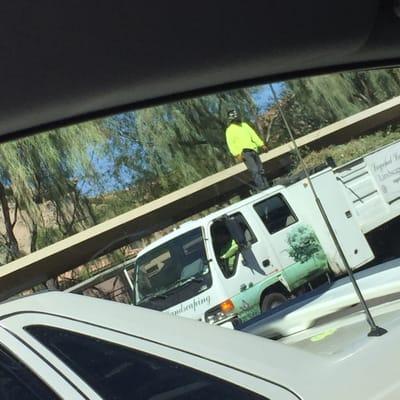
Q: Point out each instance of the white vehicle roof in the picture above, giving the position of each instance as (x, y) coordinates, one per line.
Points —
(212, 342)
(190, 225)
(364, 368)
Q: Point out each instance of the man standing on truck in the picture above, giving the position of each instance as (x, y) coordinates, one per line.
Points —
(244, 144)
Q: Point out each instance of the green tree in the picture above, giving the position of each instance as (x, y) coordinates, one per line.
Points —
(328, 98)
(42, 168)
(171, 146)
(312, 103)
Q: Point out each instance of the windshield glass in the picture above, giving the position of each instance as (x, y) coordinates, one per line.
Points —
(115, 186)
(176, 270)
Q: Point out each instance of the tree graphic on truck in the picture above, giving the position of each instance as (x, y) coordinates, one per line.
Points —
(303, 243)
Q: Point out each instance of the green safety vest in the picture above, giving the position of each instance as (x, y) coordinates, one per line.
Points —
(242, 136)
(228, 252)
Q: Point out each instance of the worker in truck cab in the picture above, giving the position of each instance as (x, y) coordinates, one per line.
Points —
(226, 249)
(245, 145)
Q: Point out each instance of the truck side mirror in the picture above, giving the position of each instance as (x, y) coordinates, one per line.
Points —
(237, 232)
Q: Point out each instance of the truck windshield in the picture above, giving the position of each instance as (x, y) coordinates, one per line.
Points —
(173, 272)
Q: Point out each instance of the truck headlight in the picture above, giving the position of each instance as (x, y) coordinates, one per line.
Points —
(220, 312)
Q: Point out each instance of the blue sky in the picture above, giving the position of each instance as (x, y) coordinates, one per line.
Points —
(263, 97)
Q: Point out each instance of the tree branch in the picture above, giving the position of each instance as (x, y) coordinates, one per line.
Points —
(15, 214)
(269, 129)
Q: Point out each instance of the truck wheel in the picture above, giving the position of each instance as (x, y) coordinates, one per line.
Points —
(272, 300)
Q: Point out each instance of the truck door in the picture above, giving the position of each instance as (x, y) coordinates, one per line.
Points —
(300, 255)
(336, 206)
(238, 275)
(277, 217)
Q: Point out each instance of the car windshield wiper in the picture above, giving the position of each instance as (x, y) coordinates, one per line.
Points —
(179, 283)
(184, 281)
(156, 296)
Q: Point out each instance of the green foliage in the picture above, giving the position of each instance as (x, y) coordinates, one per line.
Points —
(43, 168)
(329, 98)
(44, 165)
(47, 236)
(312, 103)
(349, 151)
(167, 147)
(107, 206)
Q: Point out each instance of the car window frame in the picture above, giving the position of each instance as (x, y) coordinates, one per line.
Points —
(32, 360)
(20, 375)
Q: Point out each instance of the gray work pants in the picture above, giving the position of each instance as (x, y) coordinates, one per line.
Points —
(254, 165)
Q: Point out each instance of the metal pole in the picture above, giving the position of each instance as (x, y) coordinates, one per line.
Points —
(375, 330)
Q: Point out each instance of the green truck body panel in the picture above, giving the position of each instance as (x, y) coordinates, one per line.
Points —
(300, 273)
(247, 302)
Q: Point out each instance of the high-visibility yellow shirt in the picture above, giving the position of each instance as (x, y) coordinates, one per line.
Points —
(240, 137)
(229, 252)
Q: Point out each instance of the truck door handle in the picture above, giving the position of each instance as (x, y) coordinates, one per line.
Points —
(266, 263)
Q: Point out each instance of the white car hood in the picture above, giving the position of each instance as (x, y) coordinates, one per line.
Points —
(378, 284)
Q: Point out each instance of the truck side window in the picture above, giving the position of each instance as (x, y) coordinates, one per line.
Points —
(275, 213)
(225, 248)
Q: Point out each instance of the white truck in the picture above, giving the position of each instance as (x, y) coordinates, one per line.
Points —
(255, 254)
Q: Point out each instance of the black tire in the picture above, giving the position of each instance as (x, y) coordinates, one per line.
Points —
(272, 300)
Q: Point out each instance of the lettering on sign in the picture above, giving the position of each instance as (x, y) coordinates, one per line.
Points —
(384, 165)
(192, 305)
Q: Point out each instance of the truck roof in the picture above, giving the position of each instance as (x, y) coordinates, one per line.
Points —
(192, 224)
